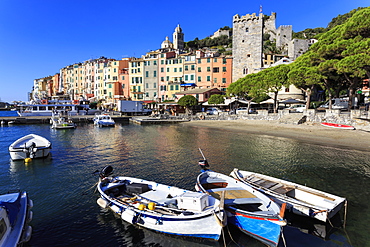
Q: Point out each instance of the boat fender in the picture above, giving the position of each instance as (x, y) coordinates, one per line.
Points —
(26, 235)
(102, 203)
(27, 160)
(151, 206)
(142, 207)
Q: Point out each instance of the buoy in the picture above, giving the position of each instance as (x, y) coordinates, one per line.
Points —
(141, 207)
(151, 206)
(27, 160)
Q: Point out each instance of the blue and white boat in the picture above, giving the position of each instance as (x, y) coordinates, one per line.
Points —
(103, 120)
(162, 208)
(246, 208)
(15, 214)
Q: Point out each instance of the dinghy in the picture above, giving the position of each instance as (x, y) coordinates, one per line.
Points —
(338, 126)
(250, 210)
(15, 214)
(30, 146)
(299, 199)
(162, 208)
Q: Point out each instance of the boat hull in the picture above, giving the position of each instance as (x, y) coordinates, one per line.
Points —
(338, 126)
(306, 201)
(263, 230)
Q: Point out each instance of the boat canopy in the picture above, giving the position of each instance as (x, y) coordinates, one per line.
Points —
(12, 203)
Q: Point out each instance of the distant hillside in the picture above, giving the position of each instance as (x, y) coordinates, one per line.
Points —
(220, 42)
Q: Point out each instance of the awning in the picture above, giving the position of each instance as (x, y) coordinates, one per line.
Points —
(188, 85)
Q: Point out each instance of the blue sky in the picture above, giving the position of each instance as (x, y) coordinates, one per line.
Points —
(39, 37)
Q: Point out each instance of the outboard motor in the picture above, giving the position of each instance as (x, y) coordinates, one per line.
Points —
(30, 149)
(203, 165)
(106, 171)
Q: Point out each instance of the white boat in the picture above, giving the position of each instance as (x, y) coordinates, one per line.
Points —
(61, 122)
(299, 199)
(247, 208)
(47, 109)
(30, 146)
(162, 208)
(15, 214)
(103, 120)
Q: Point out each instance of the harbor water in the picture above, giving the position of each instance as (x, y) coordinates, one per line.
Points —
(62, 187)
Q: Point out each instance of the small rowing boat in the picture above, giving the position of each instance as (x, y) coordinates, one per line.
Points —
(338, 126)
(299, 199)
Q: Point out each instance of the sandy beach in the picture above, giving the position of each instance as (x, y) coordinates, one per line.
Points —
(308, 132)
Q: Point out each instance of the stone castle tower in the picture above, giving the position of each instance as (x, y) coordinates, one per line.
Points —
(178, 38)
(248, 34)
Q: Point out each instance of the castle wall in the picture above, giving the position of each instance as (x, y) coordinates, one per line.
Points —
(297, 47)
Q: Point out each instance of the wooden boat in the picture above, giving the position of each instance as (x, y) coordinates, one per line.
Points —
(15, 214)
(103, 120)
(299, 199)
(30, 146)
(160, 207)
(247, 208)
(338, 126)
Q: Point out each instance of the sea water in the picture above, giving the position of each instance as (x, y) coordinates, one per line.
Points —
(62, 186)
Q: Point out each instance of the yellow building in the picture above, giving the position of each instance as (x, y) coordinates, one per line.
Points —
(136, 68)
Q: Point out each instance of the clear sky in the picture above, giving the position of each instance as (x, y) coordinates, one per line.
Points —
(39, 37)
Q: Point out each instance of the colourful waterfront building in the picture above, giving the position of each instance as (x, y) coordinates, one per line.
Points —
(136, 68)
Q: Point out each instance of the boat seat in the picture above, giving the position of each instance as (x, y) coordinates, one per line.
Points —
(157, 196)
(253, 200)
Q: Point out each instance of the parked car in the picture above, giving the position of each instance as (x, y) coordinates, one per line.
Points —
(213, 111)
(297, 108)
(242, 110)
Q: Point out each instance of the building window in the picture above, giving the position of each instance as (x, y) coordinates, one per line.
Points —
(176, 87)
(186, 77)
(186, 68)
(193, 67)
(215, 60)
(208, 78)
(171, 87)
(223, 80)
(287, 90)
(154, 73)
(146, 73)
(247, 30)
(167, 78)
(214, 80)
(245, 71)
(208, 60)
(223, 69)
(174, 69)
(208, 69)
(199, 60)
(168, 69)
(199, 78)
(192, 77)
(199, 69)
(216, 70)
(162, 70)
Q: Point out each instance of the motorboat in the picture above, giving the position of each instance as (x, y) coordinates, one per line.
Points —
(103, 120)
(62, 122)
(30, 146)
(162, 208)
(48, 108)
(15, 215)
(299, 199)
(247, 208)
